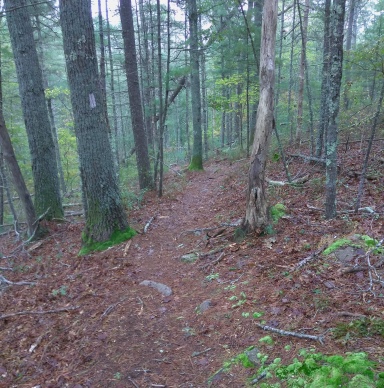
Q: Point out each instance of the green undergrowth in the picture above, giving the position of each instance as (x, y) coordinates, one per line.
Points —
(359, 241)
(363, 327)
(309, 369)
(278, 211)
(117, 237)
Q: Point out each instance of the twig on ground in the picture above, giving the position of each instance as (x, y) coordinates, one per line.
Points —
(319, 338)
(297, 181)
(312, 256)
(213, 251)
(214, 262)
(366, 209)
(199, 230)
(259, 377)
(348, 314)
(6, 281)
(65, 309)
(110, 308)
(195, 354)
(133, 383)
(6, 269)
(126, 249)
(142, 305)
(148, 224)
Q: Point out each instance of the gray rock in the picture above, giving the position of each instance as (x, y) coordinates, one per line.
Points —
(252, 356)
(189, 258)
(204, 306)
(162, 288)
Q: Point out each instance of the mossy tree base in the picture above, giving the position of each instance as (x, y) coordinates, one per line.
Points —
(196, 164)
(117, 237)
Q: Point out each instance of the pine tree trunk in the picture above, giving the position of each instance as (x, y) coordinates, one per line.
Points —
(141, 143)
(197, 151)
(104, 213)
(45, 174)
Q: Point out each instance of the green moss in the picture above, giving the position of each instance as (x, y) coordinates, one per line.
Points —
(117, 237)
(336, 245)
(196, 164)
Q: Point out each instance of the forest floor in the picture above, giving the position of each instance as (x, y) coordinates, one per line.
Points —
(89, 322)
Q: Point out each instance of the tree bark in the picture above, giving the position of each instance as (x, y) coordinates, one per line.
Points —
(303, 59)
(138, 128)
(324, 106)
(257, 216)
(41, 145)
(336, 71)
(104, 213)
(197, 150)
(18, 181)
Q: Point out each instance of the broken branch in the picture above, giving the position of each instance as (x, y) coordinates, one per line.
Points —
(39, 312)
(148, 224)
(319, 338)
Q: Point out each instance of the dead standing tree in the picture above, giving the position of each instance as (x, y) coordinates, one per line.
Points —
(256, 209)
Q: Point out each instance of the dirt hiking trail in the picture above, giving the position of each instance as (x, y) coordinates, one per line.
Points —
(91, 321)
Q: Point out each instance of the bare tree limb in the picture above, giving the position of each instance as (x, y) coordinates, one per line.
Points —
(39, 312)
(319, 338)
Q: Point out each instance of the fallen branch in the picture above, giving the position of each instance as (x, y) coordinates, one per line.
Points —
(312, 256)
(259, 377)
(6, 281)
(213, 251)
(110, 308)
(214, 262)
(310, 158)
(195, 354)
(348, 314)
(366, 209)
(297, 181)
(148, 224)
(319, 338)
(39, 312)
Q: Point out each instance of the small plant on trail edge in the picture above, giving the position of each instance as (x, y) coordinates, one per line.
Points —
(61, 291)
(277, 211)
(240, 301)
(310, 369)
(211, 277)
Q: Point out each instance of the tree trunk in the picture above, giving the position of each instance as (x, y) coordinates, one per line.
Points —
(104, 213)
(290, 118)
(368, 152)
(348, 46)
(115, 137)
(257, 216)
(18, 181)
(146, 72)
(141, 143)
(197, 151)
(45, 174)
(324, 103)
(303, 59)
(336, 70)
